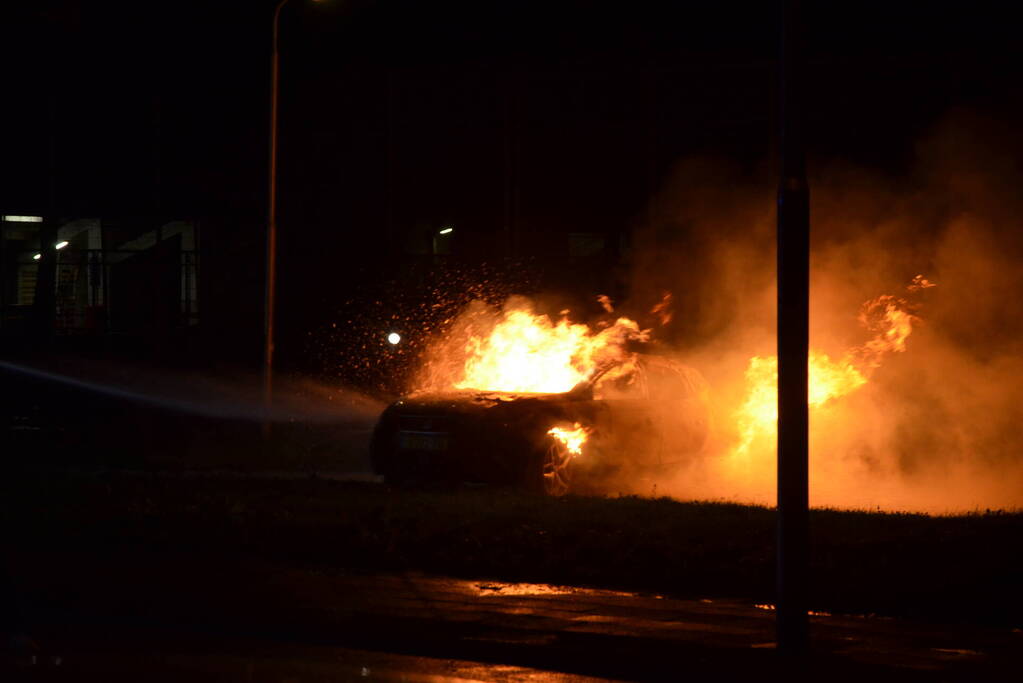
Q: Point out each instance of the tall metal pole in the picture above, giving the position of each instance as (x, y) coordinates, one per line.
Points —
(793, 348)
(512, 158)
(271, 235)
(44, 303)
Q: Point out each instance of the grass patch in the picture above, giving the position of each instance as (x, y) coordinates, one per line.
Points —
(945, 568)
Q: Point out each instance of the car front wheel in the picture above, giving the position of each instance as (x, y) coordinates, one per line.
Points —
(556, 469)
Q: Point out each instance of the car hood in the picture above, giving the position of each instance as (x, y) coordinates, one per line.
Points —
(464, 401)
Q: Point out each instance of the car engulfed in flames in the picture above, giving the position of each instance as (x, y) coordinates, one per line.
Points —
(513, 397)
(509, 396)
(638, 414)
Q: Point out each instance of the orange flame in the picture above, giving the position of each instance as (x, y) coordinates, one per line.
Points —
(663, 308)
(529, 353)
(920, 282)
(572, 438)
(891, 321)
(758, 416)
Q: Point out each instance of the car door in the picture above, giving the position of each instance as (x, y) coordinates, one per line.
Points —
(677, 410)
(629, 425)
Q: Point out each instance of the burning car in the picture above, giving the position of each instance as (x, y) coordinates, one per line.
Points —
(644, 416)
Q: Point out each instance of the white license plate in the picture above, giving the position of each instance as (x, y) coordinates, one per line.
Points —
(422, 442)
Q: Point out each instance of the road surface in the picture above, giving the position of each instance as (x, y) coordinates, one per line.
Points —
(157, 618)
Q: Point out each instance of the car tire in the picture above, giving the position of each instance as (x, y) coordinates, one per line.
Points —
(554, 469)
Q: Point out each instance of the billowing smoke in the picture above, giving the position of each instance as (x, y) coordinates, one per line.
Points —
(937, 427)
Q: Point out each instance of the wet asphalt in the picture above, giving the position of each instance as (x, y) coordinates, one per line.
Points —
(164, 618)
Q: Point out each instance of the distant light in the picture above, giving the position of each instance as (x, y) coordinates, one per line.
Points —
(60, 245)
(23, 219)
(447, 231)
(37, 257)
(394, 338)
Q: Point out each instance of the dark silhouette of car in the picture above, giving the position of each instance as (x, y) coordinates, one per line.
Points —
(647, 420)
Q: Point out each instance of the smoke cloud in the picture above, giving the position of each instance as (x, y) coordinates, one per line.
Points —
(936, 428)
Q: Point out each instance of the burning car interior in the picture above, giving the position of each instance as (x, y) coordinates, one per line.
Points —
(551, 443)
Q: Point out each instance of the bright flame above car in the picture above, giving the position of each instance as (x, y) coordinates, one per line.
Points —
(525, 352)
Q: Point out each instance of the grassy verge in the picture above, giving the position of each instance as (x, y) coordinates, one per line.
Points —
(944, 568)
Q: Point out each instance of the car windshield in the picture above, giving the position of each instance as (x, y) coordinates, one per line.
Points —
(666, 385)
(652, 379)
(618, 387)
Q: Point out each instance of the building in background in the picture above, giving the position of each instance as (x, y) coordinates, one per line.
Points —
(133, 279)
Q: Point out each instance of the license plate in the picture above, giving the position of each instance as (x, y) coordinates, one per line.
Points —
(422, 442)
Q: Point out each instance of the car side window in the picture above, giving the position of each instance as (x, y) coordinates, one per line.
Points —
(629, 386)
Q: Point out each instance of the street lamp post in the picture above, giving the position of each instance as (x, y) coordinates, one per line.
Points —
(793, 348)
(271, 231)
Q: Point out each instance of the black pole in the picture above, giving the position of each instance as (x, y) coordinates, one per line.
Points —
(793, 348)
(44, 304)
(512, 158)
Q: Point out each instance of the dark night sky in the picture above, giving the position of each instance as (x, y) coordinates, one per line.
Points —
(160, 109)
(186, 82)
